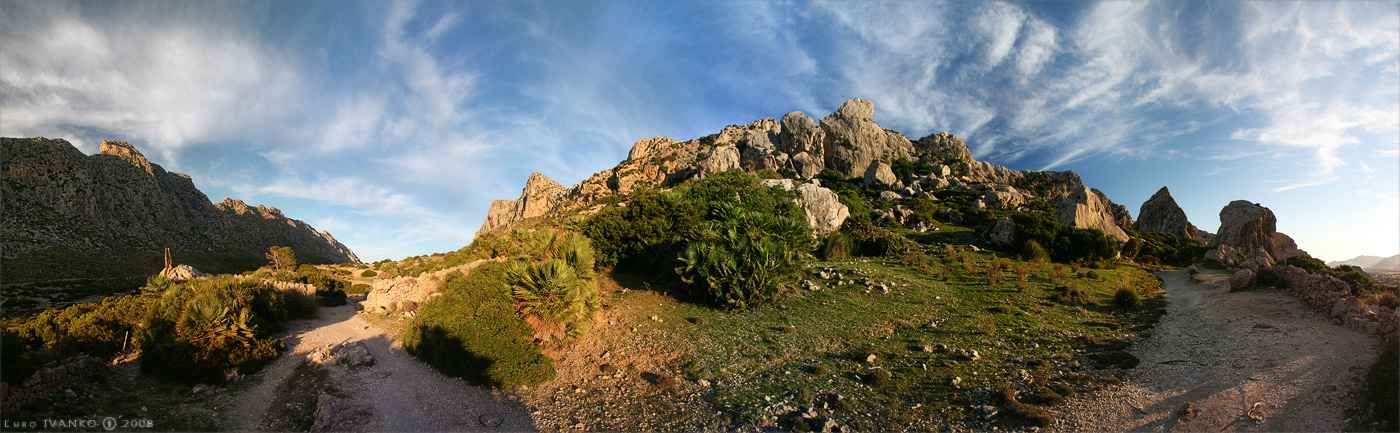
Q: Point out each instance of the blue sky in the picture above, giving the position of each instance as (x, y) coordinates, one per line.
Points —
(393, 125)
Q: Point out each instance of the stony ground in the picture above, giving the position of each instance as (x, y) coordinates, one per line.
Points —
(1242, 361)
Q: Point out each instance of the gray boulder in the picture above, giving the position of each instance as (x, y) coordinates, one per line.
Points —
(800, 134)
(879, 176)
(339, 414)
(823, 207)
(1242, 279)
(1003, 233)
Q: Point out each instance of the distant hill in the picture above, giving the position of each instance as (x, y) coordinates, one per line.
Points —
(1370, 262)
(71, 215)
(1392, 262)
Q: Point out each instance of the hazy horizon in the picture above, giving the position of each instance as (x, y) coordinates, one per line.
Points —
(393, 125)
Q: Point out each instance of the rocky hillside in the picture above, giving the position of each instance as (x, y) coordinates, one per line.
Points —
(849, 143)
(70, 215)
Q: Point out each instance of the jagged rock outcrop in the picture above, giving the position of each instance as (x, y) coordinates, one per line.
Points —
(853, 140)
(70, 215)
(1120, 214)
(1161, 214)
(181, 273)
(539, 196)
(1083, 209)
(1246, 226)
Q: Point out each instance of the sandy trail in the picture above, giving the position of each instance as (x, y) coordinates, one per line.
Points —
(405, 394)
(1245, 361)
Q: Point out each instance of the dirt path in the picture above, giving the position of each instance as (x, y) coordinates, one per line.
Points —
(1245, 361)
(404, 393)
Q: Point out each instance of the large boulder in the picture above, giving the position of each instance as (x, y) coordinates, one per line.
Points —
(1002, 233)
(1161, 214)
(1246, 226)
(1083, 209)
(340, 414)
(823, 207)
(539, 196)
(879, 176)
(1242, 279)
(853, 140)
(945, 149)
(1009, 199)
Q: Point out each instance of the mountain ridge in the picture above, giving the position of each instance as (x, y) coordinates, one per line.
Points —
(71, 215)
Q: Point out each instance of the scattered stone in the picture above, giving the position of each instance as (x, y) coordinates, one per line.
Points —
(490, 420)
(1186, 411)
(702, 382)
(339, 414)
(1242, 279)
(69, 394)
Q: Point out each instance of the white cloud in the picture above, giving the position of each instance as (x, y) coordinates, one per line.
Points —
(140, 76)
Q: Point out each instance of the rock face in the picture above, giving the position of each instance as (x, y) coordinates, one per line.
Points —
(109, 214)
(1161, 214)
(539, 196)
(1120, 214)
(1083, 209)
(1246, 226)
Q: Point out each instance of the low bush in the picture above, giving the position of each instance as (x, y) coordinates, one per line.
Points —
(742, 258)
(1063, 243)
(473, 332)
(358, 289)
(369, 273)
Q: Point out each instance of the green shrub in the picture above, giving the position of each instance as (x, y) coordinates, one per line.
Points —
(560, 302)
(642, 236)
(473, 332)
(838, 245)
(199, 330)
(1063, 243)
(358, 289)
(1127, 298)
(743, 259)
(369, 273)
(904, 169)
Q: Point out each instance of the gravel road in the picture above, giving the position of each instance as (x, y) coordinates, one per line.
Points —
(1244, 361)
(405, 395)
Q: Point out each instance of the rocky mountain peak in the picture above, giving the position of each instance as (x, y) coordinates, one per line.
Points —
(855, 110)
(1161, 214)
(128, 153)
(540, 195)
(1083, 209)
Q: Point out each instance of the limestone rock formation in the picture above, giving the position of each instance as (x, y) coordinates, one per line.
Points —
(1120, 214)
(824, 210)
(1161, 214)
(539, 196)
(181, 272)
(1008, 199)
(853, 140)
(1083, 209)
(1245, 225)
(111, 213)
